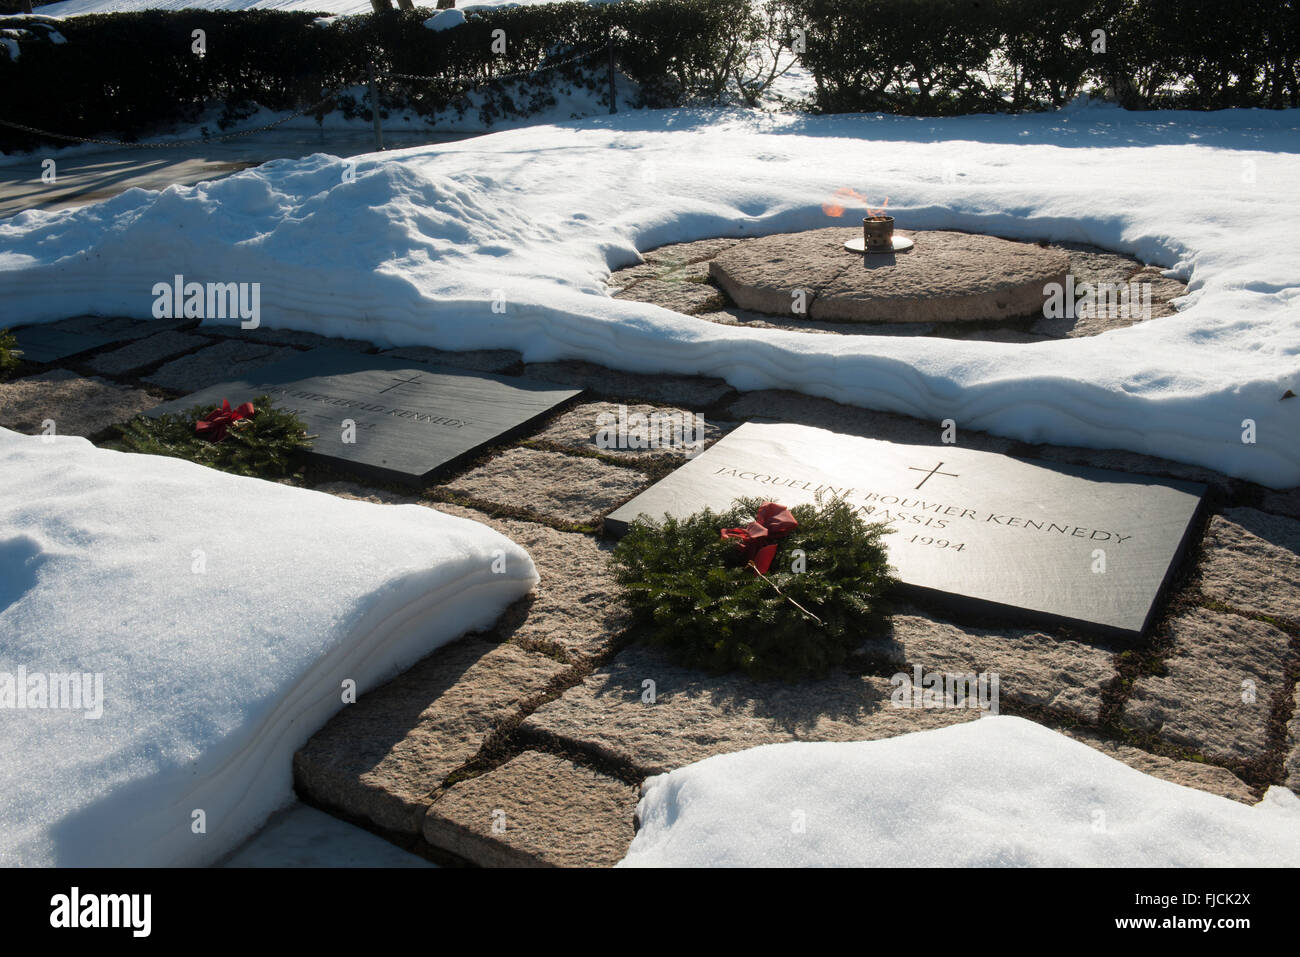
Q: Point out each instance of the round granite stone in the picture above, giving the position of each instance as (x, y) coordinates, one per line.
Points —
(945, 277)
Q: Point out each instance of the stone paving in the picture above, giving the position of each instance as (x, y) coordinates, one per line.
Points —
(693, 278)
(526, 745)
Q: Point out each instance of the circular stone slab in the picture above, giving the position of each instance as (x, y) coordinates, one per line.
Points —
(947, 277)
(900, 244)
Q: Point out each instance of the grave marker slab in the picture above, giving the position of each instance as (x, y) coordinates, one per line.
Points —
(977, 530)
(412, 419)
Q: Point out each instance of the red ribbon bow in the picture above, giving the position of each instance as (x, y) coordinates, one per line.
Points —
(217, 423)
(759, 540)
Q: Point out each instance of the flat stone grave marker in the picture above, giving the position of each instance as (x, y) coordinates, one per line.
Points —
(1020, 538)
(412, 419)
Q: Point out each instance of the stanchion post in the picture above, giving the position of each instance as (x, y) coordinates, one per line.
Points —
(374, 107)
(610, 45)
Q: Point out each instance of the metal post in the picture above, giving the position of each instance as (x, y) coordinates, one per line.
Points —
(610, 44)
(374, 107)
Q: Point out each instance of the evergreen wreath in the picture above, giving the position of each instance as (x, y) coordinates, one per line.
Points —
(263, 445)
(700, 597)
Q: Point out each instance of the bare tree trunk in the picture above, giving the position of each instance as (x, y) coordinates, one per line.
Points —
(381, 6)
(27, 6)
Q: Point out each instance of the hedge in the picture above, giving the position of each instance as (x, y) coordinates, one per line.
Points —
(127, 75)
(935, 57)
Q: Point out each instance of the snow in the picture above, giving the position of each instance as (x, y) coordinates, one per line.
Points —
(445, 20)
(997, 791)
(416, 249)
(211, 678)
(72, 8)
(301, 836)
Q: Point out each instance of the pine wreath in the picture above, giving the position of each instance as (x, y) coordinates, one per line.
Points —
(698, 596)
(264, 445)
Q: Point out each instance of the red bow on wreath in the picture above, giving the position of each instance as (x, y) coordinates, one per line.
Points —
(759, 540)
(217, 423)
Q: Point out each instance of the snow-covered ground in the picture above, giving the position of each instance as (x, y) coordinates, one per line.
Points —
(222, 616)
(301, 836)
(71, 8)
(418, 247)
(995, 792)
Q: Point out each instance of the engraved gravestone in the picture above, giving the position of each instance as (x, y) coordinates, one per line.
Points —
(411, 419)
(1081, 547)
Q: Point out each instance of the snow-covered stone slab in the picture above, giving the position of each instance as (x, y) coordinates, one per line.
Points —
(1000, 791)
(220, 620)
(1062, 544)
(410, 420)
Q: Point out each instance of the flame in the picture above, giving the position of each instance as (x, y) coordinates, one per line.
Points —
(836, 208)
(835, 205)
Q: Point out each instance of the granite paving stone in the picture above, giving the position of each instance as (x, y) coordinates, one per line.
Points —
(225, 360)
(1192, 774)
(381, 758)
(692, 392)
(674, 437)
(562, 487)
(1251, 561)
(477, 360)
(536, 810)
(695, 715)
(803, 409)
(1291, 764)
(1033, 668)
(1219, 683)
(145, 352)
(576, 610)
(685, 297)
(78, 405)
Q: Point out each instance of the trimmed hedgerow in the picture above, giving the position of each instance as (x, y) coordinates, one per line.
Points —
(699, 599)
(926, 57)
(264, 446)
(9, 353)
(674, 51)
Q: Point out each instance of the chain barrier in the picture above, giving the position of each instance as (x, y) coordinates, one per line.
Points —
(504, 76)
(180, 144)
(176, 144)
